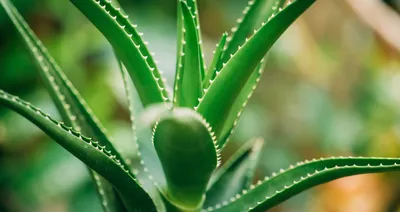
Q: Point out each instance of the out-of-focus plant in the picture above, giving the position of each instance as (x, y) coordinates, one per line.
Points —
(189, 129)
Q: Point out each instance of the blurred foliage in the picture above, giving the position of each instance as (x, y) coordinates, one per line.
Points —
(332, 87)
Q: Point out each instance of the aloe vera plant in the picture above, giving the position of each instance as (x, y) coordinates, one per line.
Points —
(180, 172)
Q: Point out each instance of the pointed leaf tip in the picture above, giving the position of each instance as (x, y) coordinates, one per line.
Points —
(188, 87)
(93, 154)
(287, 183)
(227, 86)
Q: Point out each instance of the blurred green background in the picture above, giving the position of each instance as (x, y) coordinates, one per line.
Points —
(332, 87)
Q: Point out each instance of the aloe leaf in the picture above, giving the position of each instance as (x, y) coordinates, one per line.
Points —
(217, 59)
(280, 187)
(110, 200)
(129, 46)
(185, 145)
(89, 151)
(188, 88)
(192, 5)
(256, 12)
(236, 174)
(144, 172)
(240, 104)
(180, 51)
(69, 103)
(217, 102)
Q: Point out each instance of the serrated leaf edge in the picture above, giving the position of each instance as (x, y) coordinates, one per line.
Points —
(210, 131)
(93, 144)
(125, 24)
(217, 57)
(31, 40)
(197, 22)
(181, 72)
(239, 114)
(302, 178)
(245, 16)
(180, 66)
(231, 56)
(142, 164)
(231, 160)
(70, 130)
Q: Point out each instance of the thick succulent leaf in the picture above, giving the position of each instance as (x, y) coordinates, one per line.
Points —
(185, 145)
(188, 87)
(129, 46)
(240, 104)
(256, 12)
(69, 103)
(217, 59)
(192, 5)
(72, 106)
(149, 175)
(110, 200)
(179, 52)
(217, 102)
(236, 174)
(93, 154)
(280, 187)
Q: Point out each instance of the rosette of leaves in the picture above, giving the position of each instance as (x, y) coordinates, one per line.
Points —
(180, 172)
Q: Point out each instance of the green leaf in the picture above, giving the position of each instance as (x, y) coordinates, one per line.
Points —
(256, 12)
(185, 146)
(280, 187)
(110, 200)
(148, 170)
(236, 174)
(217, 102)
(89, 151)
(192, 5)
(188, 87)
(179, 52)
(129, 46)
(71, 106)
(240, 104)
(217, 59)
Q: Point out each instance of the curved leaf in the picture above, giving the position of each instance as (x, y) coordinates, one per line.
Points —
(188, 87)
(216, 103)
(148, 171)
(240, 104)
(212, 70)
(185, 146)
(236, 174)
(280, 187)
(179, 52)
(71, 106)
(129, 47)
(110, 200)
(192, 5)
(93, 154)
(256, 12)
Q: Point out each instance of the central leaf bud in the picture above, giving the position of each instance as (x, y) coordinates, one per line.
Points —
(185, 146)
